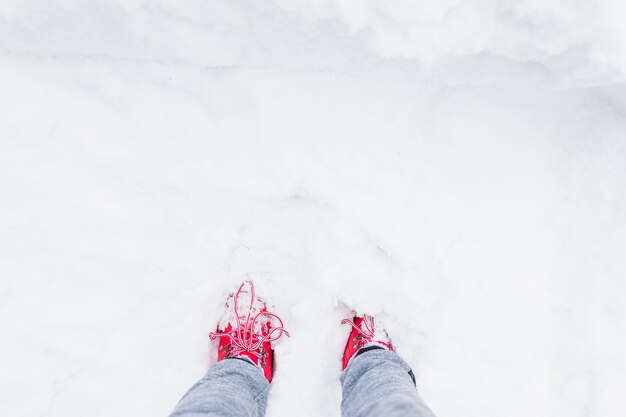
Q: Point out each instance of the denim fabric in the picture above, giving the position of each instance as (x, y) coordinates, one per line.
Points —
(231, 388)
(378, 383)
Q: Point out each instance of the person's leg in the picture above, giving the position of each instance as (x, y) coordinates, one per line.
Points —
(379, 383)
(231, 388)
(238, 384)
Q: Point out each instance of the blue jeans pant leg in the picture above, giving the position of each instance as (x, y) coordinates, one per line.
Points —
(230, 388)
(378, 383)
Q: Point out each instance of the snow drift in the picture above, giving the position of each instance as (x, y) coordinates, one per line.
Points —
(457, 168)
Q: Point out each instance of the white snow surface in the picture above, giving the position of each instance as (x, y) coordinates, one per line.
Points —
(456, 168)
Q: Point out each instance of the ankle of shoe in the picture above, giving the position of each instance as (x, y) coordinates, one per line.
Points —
(371, 346)
(376, 343)
(248, 357)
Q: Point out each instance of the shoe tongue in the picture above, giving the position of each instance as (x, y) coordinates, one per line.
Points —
(379, 333)
(260, 325)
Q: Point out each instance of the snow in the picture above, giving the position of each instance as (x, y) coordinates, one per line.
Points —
(457, 168)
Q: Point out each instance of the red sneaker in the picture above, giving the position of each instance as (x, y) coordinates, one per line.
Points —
(363, 333)
(248, 330)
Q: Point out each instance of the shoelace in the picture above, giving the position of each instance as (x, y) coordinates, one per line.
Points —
(242, 337)
(368, 331)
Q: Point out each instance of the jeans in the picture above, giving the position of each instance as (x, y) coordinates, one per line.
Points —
(375, 383)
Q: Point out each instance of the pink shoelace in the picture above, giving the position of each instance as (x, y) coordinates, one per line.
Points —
(366, 330)
(243, 337)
